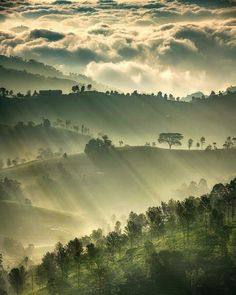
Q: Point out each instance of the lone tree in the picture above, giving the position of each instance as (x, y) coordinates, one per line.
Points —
(170, 138)
(190, 143)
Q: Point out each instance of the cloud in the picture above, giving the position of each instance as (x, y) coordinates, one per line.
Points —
(110, 40)
(130, 76)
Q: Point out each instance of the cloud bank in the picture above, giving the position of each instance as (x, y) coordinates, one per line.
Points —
(175, 46)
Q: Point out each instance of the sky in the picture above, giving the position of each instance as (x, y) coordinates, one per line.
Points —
(178, 47)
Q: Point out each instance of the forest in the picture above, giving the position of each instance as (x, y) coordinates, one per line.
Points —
(190, 243)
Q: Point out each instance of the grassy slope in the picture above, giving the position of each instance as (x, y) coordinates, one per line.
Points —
(135, 177)
(35, 224)
(25, 142)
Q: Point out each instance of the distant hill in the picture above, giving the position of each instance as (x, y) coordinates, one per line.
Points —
(21, 81)
(23, 141)
(44, 76)
(135, 119)
(30, 66)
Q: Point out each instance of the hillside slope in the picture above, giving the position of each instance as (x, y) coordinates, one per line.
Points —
(30, 224)
(39, 70)
(24, 141)
(21, 81)
(130, 178)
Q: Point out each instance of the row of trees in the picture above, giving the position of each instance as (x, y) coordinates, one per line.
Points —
(178, 247)
(174, 139)
(68, 124)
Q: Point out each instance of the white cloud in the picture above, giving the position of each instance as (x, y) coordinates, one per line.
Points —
(130, 44)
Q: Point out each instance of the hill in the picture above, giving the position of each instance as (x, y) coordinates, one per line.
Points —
(26, 141)
(30, 224)
(21, 81)
(134, 177)
(42, 76)
(135, 119)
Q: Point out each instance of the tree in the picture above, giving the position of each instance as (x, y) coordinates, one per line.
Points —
(212, 93)
(135, 225)
(75, 88)
(190, 143)
(228, 143)
(46, 123)
(202, 141)
(98, 145)
(75, 250)
(89, 87)
(197, 145)
(121, 142)
(156, 221)
(114, 242)
(170, 138)
(159, 95)
(62, 260)
(8, 162)
(209, 147)
(17, 279)
(82, 89)
(3, 91)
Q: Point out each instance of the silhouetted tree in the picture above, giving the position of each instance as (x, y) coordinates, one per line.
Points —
(202, 141)
(82, 88)
(89, 87)
(170, 138)
(190, 143)
(75, 88)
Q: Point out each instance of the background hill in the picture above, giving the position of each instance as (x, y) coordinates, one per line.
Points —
(27, 141)
(21, 75)
(134, 119)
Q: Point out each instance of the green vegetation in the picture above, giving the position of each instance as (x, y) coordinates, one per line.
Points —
(178, 247)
